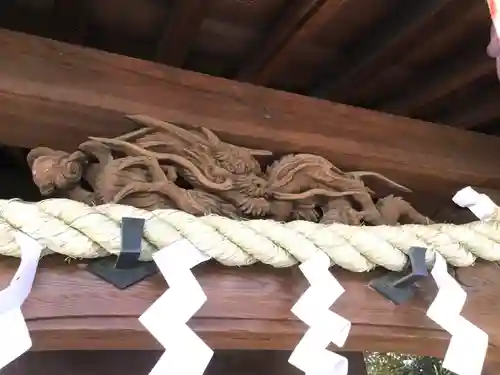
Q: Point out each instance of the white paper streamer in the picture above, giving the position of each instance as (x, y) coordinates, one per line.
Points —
(468, 345)
(185, 353)
(313, 308)
(15, 339)
(480, 204)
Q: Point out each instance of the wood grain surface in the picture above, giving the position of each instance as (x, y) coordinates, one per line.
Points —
(48, 87)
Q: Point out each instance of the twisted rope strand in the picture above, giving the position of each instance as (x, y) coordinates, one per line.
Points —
(79, 231)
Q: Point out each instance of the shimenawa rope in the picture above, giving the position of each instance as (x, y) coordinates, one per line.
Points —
(79, 231)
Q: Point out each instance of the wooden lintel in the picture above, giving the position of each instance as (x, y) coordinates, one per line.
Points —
(140, 362)
(56, 94)
(247, 308)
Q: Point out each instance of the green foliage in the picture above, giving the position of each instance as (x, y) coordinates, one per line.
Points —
(403, 364)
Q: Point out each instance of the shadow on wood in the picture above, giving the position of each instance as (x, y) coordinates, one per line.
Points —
(136, 362)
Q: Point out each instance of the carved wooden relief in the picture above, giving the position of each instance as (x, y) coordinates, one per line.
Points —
(163, 165)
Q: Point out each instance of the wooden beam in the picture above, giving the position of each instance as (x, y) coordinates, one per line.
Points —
(247, 308)
(102, 362)
(183, 24)
(140, 362)
(400, 32)
(302, 20)
(357, 364)
(55, 94)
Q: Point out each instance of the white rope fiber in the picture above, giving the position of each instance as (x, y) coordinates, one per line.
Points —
(76, 230)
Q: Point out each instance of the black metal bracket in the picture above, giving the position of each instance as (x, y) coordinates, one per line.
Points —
(126, 270)
(400, 286)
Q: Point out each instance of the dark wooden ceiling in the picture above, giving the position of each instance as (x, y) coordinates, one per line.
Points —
(423, 59)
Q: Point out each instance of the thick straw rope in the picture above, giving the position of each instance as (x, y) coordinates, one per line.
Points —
(80, 231)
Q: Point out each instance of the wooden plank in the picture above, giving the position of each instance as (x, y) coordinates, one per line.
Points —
(84, 363)
(357, 364)
(479, 111)
(299, 28)
(70, 20)
(297, 24)
(446, 39)
(441, 82)
(183, 24)
(135, 362)
(49, 88)
(224, 362)
(399, 32)
(247, 308)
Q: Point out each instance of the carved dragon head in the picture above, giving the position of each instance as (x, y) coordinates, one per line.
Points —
(236, 160)
(252, 195)
(55, 170)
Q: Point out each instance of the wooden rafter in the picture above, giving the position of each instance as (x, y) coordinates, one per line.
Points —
(478, 112)
(442, 82)
(373, 53)
(399, 32)
(182, 26)
(448, 38)
(69, 20)
(296, 27)
(48, 88)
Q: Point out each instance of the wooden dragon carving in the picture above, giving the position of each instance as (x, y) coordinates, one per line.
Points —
(163, 165)
(230, 171)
